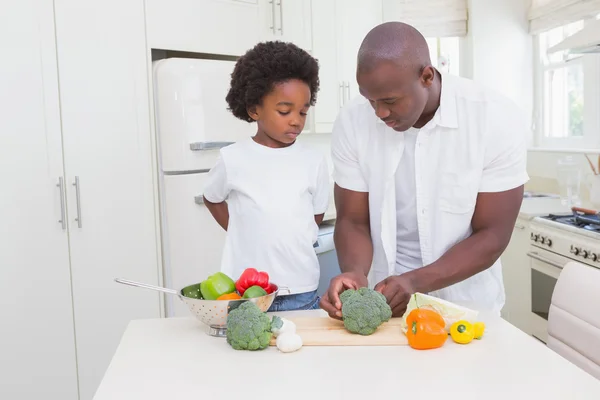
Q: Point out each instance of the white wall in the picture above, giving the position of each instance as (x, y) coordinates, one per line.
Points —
(501, 49)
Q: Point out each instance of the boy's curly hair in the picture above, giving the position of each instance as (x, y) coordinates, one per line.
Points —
(262, 67)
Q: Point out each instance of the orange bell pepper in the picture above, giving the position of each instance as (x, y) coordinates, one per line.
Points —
(426, 329)
(229, 296)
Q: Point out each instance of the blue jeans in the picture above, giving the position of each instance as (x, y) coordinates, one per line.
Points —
(293, 302)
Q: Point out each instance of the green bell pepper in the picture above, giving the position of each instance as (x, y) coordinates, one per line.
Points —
(192, 291)
(254, 291)
(216, 285)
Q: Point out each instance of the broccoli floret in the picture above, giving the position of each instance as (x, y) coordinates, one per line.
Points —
(363, 310)
(248, 328)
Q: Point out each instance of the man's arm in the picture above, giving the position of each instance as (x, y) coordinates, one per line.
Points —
(493, 223)
(352, 235)
(219, 211)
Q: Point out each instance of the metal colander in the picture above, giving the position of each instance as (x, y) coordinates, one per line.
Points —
(211, 312)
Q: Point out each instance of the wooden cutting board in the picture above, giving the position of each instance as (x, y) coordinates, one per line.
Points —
(325, 331)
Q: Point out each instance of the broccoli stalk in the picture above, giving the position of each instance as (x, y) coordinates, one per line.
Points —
(363, 310)
(248, 328)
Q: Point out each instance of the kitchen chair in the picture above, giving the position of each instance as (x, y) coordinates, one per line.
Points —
(574, 317)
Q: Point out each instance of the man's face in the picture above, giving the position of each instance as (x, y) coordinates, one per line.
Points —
(397, 94)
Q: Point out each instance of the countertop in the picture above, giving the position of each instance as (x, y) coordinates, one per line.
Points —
(161, 359)
(537, 206)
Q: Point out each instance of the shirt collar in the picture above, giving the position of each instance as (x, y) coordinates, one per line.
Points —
(446, 114)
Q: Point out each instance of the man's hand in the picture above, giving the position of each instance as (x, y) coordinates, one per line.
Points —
(397, 291)
(330, 301)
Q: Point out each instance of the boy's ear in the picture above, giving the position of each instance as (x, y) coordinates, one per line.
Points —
(252, 112)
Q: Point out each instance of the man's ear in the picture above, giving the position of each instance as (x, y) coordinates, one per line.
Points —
(428, 76)
(252, 112)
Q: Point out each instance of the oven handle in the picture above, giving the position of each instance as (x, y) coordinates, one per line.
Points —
(536, 256)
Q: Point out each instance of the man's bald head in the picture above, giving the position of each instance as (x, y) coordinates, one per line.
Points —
(395, 74)
(394, 42)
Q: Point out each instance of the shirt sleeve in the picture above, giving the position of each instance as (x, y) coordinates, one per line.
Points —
(216, 188)
(346, 168)
(505, 161)
(321, 196)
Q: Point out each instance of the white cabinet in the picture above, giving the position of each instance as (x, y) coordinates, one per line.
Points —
(339, 27)
(287, 21)
(76, 110)
(517, 277)
(204, 26)
(37, 352)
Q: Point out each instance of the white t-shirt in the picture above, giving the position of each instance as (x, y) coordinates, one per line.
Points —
(272, 196)
(408, 249)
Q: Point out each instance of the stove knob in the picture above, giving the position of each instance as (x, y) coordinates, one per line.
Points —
(575, 250)
(594, 257)
(584, 254)
(549, 242)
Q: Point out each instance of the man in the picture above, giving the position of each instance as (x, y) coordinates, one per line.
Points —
(429, 173)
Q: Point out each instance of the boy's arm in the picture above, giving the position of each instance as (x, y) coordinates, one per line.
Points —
(219, 211)
(321, 195)
(215, 193)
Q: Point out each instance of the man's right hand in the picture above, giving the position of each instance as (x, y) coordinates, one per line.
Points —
(330, 302)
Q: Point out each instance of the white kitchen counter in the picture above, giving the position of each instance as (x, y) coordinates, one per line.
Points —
(175, 359)
(537, 206)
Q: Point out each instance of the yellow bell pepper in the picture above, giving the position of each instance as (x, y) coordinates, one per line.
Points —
(478, 328)
(462, 332)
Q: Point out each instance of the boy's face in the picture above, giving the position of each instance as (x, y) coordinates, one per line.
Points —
(282, 114)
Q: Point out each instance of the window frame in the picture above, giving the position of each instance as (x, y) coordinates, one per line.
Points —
(591, 102)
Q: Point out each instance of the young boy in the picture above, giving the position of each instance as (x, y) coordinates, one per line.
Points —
(269, 192)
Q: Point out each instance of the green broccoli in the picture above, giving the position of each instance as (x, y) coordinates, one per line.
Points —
(248, 328)
(363, 310)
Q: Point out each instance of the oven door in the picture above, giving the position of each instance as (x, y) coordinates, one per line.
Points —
(545, 270)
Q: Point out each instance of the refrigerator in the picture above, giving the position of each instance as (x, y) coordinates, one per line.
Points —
(192, 124)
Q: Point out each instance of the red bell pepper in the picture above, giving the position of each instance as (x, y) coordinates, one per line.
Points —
(252, 277)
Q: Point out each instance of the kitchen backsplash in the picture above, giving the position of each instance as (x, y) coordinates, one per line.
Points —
(542, 169)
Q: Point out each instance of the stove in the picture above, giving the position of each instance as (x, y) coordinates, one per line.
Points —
(555, 240)
(573, 235)
(588, 222)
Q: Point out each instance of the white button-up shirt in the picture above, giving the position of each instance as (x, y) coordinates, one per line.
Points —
(476, 142)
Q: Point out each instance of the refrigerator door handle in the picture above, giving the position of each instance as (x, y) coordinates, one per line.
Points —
(201, 146)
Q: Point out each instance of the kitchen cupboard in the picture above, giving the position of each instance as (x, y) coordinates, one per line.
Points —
(287, 21)
(517, 277)
(79, 171)
(104, 98)
(37, 350)
(227, 27)
(339, 27)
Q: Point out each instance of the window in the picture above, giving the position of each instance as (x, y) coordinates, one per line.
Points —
(567, 93)
(445, 54)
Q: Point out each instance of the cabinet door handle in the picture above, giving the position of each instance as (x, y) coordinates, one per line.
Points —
(272, 27)
(280, 16)
(341, 94)
(78, 197)
(61, 188)
(348, 92)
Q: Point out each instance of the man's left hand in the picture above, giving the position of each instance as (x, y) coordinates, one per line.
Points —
(397, 291)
